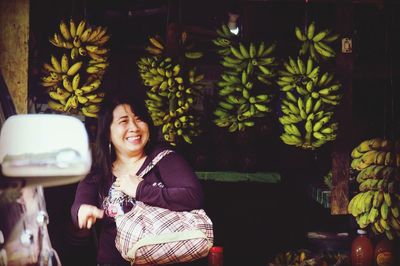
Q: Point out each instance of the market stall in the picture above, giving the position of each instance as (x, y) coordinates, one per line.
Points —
(286, 110)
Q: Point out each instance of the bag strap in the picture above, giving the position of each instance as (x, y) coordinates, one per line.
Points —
(154, 162)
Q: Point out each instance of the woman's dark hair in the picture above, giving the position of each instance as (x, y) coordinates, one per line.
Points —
(103, 155)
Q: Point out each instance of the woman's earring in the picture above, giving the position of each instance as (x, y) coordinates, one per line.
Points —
(109, 148)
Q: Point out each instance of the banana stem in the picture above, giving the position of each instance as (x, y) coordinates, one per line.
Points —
(308, 138)
(172, 103)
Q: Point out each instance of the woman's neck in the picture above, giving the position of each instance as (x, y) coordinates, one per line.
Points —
(131, 163)
(129, 160)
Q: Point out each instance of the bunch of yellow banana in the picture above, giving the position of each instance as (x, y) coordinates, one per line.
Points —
(307, 97)
(304, 78)
(378, 209)
(316, 43)
(73, 81)
(179, 124)
(255, 60)
(67, 91)
(239, 103)
(82, 39)
(306, 121)
(305, 124)
(298, 75)
(243, 87)
(378, 202)
(375, 152)
(156, 46)
(292, 258)
(172, 92)
(327, 90)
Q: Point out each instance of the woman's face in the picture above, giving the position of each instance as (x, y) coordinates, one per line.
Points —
(128, 133)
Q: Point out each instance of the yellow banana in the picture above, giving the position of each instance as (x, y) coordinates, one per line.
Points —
(193, 55)
(299, 34)
(156, 43)
(64, 63)
(56, 64)
(65, 31)
(311, 30)
(74, 53)
(67, 84)
(72, 28)
(75, 82)
(387, 198)
(87, 113)
(95, 56)
(82, 99)
(252, 50)
(93, 108)
(93, 69)
(320, 35)
(301, 66)
(76, 41)
(102, 40)
(55, 106)
(74, 68)
(85, 35)
(98, 37)
(80, 28)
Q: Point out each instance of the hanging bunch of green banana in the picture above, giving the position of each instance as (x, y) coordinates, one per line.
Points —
(73, 80)
(243, 87)
(316, 43)
(308, 97)
(225, 40)
(157, 47)
(377, 204)
(306, 104)
(171, 94)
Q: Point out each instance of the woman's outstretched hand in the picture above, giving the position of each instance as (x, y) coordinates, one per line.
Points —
(88, 214)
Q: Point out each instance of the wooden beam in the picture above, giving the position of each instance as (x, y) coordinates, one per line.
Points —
(342, 146)
(14, 37)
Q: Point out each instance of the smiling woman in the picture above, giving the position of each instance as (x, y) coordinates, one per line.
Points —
(129, 136)
(125, 144)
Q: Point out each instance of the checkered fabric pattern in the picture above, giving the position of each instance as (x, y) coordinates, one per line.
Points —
(150, 235)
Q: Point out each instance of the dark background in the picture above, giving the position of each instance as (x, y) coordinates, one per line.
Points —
(253, 221)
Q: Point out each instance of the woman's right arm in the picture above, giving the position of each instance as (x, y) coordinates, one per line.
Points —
(84, 210)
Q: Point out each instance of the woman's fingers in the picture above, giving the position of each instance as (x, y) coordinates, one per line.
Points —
(88, 214)
(90, 222)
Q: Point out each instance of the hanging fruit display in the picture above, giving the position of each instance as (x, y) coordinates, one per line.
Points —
(316, 43)
(307, 98)
(73, 79)
(244, 83)
(377, 203)
(173, 88)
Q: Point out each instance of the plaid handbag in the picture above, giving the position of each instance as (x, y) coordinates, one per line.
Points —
(148, 235)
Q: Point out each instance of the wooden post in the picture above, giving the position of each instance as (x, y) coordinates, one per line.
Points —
(342, 146)
(14, 36)
(174, 31)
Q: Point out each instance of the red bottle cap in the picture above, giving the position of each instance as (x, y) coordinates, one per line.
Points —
(217, 249)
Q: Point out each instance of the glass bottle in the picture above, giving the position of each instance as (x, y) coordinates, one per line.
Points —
(216, 256)
(362, 250)
(384, 253)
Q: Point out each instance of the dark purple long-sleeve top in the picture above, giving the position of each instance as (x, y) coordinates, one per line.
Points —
(171, 184)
